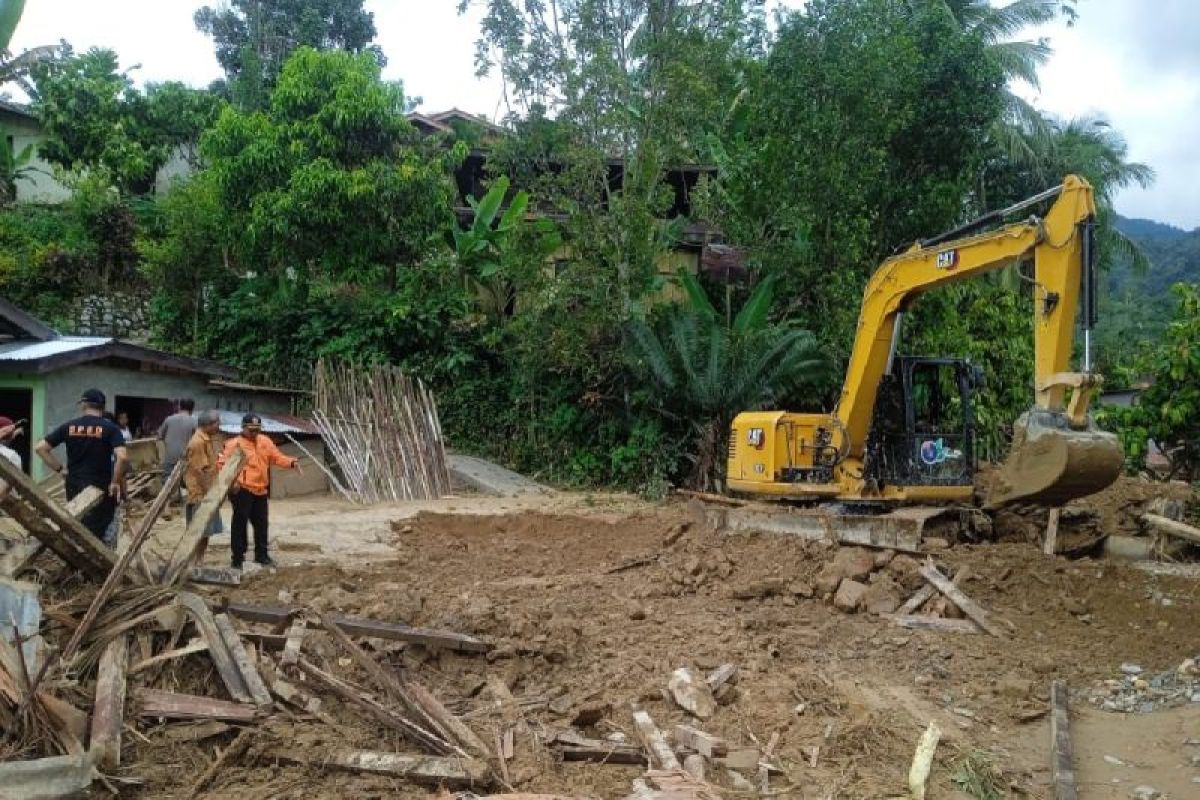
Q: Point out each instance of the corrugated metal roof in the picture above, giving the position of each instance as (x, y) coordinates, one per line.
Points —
(231, 422)
(35, 351)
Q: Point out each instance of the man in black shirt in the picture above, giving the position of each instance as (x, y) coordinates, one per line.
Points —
(92, 442)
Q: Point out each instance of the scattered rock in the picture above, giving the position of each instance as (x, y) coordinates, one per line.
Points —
(849, 595)
(589, 714)
(1014, 687)
(883, 596)
(883, 558)
(907, 572)
(1145, 793)
(759, 589)
(1116, 762)
(802, 589)
(1131, 669)
(935, 543)
(827, 581)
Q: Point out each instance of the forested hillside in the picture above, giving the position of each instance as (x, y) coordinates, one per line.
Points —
(1138, 301)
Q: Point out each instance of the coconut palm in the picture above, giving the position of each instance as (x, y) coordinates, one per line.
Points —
(1020, 126)
(707, 369)
(16, 68)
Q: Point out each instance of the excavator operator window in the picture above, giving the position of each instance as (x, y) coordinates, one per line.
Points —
(922, 434)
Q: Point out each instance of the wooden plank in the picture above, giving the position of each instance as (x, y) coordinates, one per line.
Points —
(939, 606)
(21, 556)
(375, 709)
(919, 599)
(194, 646)
(425, 770)
(1060, 742)
(250, 677)
(108, 713)
(185, 549)
(703, 743)
(1180, 530)
(217, 576)
(1051, 542)
(968, 606)
(726, 673)
(119, 570)
(661, 754)
(63, 534)
(293, 643)
(227, 668)
(170, 705)
(356, 626)
(84, 502)
(447, 722)
(924, 623)
(693, 765)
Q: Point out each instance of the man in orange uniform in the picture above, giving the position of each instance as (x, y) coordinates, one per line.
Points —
(248, 495)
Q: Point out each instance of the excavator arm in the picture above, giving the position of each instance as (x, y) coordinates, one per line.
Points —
(1050, 438)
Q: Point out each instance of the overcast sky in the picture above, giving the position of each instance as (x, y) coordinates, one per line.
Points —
(1135, 62)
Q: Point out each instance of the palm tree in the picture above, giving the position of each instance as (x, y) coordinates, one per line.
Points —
(1020, 125)
(707, 369)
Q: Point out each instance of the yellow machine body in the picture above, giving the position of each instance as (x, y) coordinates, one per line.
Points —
(802, 456)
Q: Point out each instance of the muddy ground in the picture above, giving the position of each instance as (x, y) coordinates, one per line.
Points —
(579, 640)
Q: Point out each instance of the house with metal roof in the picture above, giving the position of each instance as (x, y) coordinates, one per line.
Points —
(43, 374)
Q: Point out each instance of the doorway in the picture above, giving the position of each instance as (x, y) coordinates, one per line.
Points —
(17, 405)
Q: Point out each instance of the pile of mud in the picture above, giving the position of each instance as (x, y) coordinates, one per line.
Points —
(590, 616)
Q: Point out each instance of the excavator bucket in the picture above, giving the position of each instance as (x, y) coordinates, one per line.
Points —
(1051, 463)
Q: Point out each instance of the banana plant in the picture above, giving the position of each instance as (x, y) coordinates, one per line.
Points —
(482, 247)
(13, 167)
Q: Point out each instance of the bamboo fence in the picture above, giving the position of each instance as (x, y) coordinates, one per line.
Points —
(382, 428)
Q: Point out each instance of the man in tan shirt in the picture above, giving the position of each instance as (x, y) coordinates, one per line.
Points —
(201, 472)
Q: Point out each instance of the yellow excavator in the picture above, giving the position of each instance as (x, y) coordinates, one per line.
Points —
(902, 430)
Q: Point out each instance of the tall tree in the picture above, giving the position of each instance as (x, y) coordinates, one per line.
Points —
(331, 182)
(96, 119)
(254, 38)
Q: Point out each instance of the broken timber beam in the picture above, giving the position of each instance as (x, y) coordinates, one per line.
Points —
(575, 747)
(375, 709)
(703, 743)
(227, 668)
(1060, 741)
(185, 548)
(924, 623)
(48, 521)
(194, 646)
(108, 715)
(1180, 530)
(1050, 544)
(217, 576)
(84, 502)
(354, 626)
(426, 770)
(170, 705)
(250, 677)
(661, 754)
(968, 606)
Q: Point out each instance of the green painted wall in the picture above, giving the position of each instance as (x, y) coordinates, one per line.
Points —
(37, 419)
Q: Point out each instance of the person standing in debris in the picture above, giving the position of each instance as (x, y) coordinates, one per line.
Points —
(96, 456)
(250, 490)
(9, 431)
(201, 472)
(175, 432)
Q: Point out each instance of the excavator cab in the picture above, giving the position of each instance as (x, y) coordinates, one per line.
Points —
(923, 432)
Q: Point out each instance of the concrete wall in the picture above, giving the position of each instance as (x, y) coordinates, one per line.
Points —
(290, 483)
(39, 186)
(63, 388)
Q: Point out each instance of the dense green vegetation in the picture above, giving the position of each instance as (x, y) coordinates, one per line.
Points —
(318, 221)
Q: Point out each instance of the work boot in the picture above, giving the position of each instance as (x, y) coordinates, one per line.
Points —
(266, 563)
(236, 565)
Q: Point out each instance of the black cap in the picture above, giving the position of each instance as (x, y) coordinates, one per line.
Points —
(93, 397)
(252, 419)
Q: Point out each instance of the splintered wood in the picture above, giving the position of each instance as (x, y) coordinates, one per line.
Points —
(382, 427)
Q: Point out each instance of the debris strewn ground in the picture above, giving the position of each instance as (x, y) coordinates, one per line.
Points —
(626, 649)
